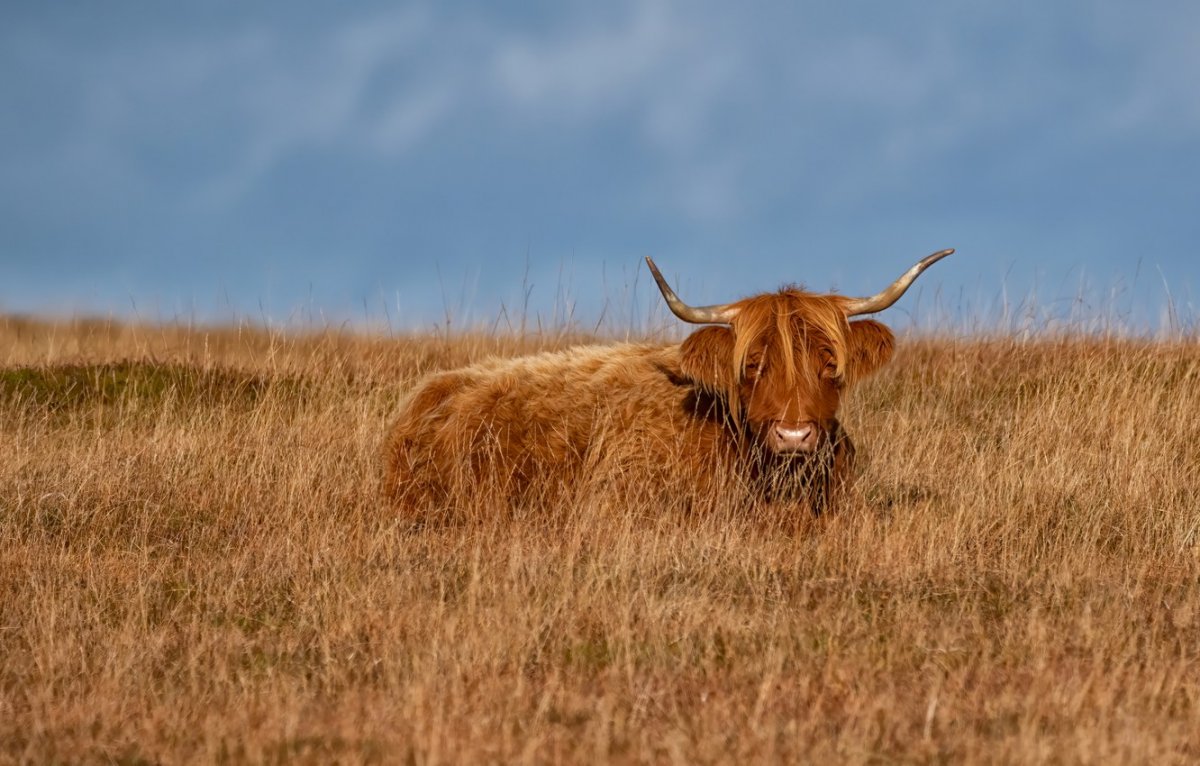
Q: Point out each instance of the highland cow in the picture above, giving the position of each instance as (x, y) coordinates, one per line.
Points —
(744, 411)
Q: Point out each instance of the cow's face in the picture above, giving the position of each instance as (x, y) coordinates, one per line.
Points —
(780, 361)
(782, 364)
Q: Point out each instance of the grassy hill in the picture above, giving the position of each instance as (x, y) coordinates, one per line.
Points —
(195, 566)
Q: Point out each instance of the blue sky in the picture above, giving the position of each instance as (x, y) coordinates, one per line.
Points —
(334, 160)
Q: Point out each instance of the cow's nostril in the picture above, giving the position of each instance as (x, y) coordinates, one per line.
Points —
(798, 436)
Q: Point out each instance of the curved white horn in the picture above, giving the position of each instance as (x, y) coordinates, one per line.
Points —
(721, 314)
(877, 303)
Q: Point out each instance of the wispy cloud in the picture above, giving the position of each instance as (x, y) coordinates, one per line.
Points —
(655, 68)
(587, 70)
(291, 101)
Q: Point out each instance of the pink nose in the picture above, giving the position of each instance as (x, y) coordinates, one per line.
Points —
(794, 437)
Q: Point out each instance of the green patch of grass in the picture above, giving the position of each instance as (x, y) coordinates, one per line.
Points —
(138, 385)
(329, 749)
(590, 654)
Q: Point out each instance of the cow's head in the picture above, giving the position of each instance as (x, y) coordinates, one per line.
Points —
(780, 361)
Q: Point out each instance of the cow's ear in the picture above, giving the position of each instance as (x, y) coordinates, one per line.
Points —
(869, 346)
(706, 358)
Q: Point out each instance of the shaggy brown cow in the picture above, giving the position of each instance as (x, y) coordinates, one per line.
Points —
(743, 412)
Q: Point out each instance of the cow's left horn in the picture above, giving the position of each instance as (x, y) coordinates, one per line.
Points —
(722, 314)
(876, 303)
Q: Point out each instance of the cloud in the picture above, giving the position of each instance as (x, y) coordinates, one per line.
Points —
(244, 99)
(385, 82)
(586, 70)
(404, 124)
(658, 69)
(292, 101)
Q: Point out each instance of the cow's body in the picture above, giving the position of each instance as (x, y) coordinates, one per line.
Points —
(743, 412)
(623, 421)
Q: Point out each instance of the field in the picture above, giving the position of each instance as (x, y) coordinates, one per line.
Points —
(195, 566)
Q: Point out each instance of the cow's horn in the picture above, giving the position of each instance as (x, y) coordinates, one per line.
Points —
(876, 303)
(721, 314)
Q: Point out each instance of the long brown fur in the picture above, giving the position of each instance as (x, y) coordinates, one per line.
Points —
(680, 423)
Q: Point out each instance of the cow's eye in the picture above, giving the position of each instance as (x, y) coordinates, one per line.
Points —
(828, 366)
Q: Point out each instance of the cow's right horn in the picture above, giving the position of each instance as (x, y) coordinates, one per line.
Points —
(876, 303)
(721, 314)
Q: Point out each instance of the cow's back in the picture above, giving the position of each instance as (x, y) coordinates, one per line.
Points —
(546, 429)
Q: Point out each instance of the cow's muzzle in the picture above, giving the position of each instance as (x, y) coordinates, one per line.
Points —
(784, 437)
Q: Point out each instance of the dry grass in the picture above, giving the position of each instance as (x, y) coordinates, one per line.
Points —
(194, 566)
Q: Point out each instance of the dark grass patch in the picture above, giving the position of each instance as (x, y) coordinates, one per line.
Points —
(139, 385)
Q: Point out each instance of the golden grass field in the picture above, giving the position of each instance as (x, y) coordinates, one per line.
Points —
(195, 566)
